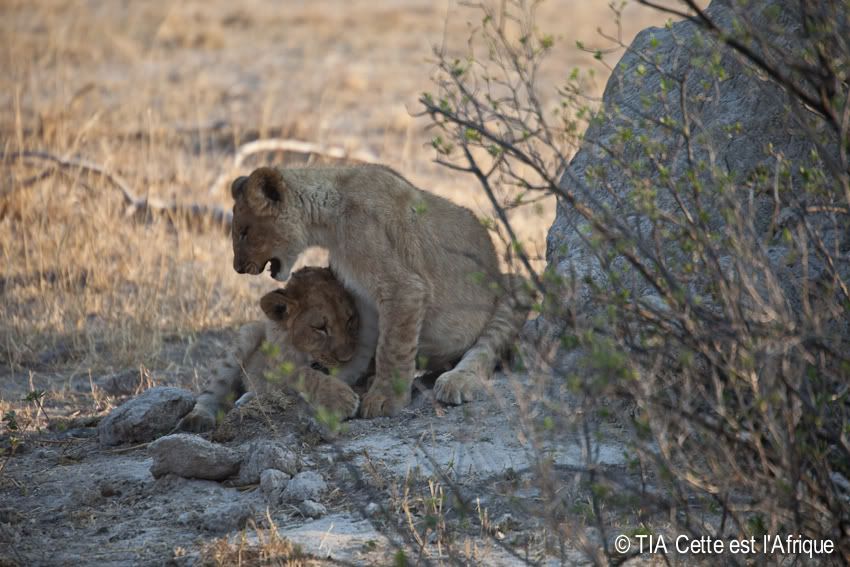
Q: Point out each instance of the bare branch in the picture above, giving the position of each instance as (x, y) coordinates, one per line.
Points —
(135, 206)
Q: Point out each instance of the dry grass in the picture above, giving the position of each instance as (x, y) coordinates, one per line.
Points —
(262, 547)
(161, 93)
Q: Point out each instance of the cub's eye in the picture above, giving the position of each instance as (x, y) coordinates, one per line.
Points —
(321, 330)
(243, 234)
(352, 323)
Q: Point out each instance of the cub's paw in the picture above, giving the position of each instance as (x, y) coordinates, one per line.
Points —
(338, 398)
(244, 399)
(457, 386)
(198, 420)
(377, 403)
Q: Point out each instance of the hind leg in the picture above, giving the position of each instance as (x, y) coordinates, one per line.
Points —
(467, 378)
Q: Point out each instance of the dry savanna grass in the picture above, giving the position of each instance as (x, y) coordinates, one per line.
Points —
(257, 546)
(161, 94)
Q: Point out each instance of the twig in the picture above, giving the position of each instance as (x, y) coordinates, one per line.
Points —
(128, 449)
(135, 206)
(485, 184)
(288, 145)
(29, 181)
(5, 462)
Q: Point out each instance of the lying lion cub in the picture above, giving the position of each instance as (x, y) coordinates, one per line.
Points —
(311, 320)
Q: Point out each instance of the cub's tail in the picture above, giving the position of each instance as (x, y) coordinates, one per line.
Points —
(510, 315)
(466, 379)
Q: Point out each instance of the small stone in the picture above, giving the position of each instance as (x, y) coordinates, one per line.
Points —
(308, 485)
(244, 399)
(227, 517)
(272, 484)
(190, 456)
(263, 455)
(10, 516)
(505, 523)
(107, 490)
(188, 518)
(43, 453)
(372, 509)
(311, 509)
(122, 383)
(151, 414)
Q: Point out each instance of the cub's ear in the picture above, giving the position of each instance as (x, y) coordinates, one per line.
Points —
(264, 190)
(277, 305)
(238, 187)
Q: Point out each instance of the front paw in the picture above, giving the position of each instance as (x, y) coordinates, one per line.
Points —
(198, 420)
(377, 403)
(340, 399)
(457, 386)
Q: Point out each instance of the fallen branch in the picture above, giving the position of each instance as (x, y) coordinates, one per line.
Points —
(128, 449)
(30, 181)
(135, 206)
(286, 145)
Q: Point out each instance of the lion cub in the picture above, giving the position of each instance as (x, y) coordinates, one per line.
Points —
(311, 320)
(423, 271)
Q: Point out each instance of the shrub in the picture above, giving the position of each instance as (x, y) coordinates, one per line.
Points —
(698, 269)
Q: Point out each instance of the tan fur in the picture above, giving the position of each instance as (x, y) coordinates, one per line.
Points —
(424, 268)
(312, 319)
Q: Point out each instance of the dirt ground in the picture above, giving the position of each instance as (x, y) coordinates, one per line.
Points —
(442, 484)
(95, 307)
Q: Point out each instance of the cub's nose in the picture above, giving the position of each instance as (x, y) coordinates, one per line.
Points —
(239, 267)
(346, 353)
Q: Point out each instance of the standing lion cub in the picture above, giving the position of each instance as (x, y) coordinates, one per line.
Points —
(420, 266)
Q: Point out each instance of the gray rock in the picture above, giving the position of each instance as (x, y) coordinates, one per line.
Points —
(734, 120)
(311, 509)
(190, 456)
(263, 455)
(151, 414)
(308, 485)
(227, 517)
(244, 399)
(372, 509)
(122, 383)
(272, 484)
(189, 518)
